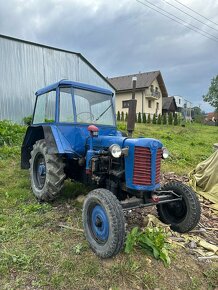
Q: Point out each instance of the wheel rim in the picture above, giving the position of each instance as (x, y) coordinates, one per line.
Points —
(39, 171)
(176, 210)
(99, 224)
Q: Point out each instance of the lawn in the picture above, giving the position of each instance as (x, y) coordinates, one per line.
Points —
(37, 253)
(187, 145)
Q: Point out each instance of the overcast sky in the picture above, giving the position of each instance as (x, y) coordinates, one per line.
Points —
(125, 37)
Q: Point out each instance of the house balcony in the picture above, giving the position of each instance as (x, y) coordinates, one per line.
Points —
(153, 95)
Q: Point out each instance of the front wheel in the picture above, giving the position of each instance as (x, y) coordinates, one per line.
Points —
(182, 215)
(103, 222)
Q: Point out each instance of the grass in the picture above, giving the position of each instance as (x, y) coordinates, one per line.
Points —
(36, 253)
(187, 145)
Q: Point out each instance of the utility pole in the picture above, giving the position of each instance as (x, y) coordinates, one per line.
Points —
(132, 109)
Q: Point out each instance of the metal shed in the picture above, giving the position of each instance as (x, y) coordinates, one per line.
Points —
(26, 67)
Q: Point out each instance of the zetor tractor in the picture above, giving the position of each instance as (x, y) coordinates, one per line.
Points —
(73, 135)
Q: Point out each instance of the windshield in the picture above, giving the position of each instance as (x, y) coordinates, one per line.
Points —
(90, 107)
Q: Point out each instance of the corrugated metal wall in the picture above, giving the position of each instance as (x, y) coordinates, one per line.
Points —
(25, 68)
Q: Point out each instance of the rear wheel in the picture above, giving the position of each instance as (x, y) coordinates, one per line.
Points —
(103, 222)
(46, 172)
(182, 215)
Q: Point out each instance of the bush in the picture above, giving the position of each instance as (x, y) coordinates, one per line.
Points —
(176, 120)
(11, 134)
(159, 119)
(154, 120)
(118, 116)
(139, 118)
(170, 119)
(164, 119)
(144, 118)
(122, 116)
(149, 119)
(28, 120)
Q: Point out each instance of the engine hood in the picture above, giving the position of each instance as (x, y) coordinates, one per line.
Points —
(103, 142)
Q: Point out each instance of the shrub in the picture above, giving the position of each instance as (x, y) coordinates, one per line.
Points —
(139, 118)
(164, 119)
(170, 119)
(11, 134)
(144, 118)
(28, 120)
(122, 116)
(149, 119)
(118, 116)
(154, 121)
(176, 120)
(159, 119)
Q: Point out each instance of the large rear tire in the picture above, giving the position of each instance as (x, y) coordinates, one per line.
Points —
(182, 215)
(46, 172)
(103, 222)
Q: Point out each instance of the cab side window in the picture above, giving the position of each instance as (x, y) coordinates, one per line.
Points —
(45, 108)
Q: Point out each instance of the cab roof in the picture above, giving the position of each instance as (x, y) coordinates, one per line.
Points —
(77, 85)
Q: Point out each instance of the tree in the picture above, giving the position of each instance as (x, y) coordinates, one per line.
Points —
(126, 117)
(144, 118)
(164, 119)
(139, 118)
(149, 118)
(118, 116)
(122, 116)
(170, 119)
(159, 119)
(197, 114)
(212, 96)
(154, 121)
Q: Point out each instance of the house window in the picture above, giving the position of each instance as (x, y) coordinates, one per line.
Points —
(152, 89)
(149, 103)
(179, 101)
(125, 104)
(157, 106)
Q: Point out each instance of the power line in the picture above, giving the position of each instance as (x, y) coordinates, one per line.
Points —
(195, 12)
(195, 27)
(190, 15)
(180, 22)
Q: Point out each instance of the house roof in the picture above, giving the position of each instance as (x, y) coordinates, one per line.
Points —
(144, 80)
(211, 115)
(167, 102)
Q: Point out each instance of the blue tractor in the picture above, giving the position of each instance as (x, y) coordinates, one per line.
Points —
(73, 135)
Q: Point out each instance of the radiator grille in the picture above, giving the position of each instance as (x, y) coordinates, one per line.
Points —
(142, 166)
(158, 164)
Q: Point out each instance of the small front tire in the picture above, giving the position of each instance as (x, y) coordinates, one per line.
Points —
(182, 215)
(103, 222)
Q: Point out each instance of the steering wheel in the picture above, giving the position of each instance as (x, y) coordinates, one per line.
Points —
(91, 117)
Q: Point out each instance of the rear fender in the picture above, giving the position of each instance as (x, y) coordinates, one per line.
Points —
(33, 134)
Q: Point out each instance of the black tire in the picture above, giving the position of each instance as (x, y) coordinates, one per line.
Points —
(182, 215)
(111, 243)
(46, 172)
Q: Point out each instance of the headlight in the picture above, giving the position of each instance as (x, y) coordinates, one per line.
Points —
(165, 153)
(115, 150)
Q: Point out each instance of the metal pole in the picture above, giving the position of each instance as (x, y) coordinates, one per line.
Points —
(132, 109)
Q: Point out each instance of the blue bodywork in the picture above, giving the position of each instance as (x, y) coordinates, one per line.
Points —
(74, 140)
